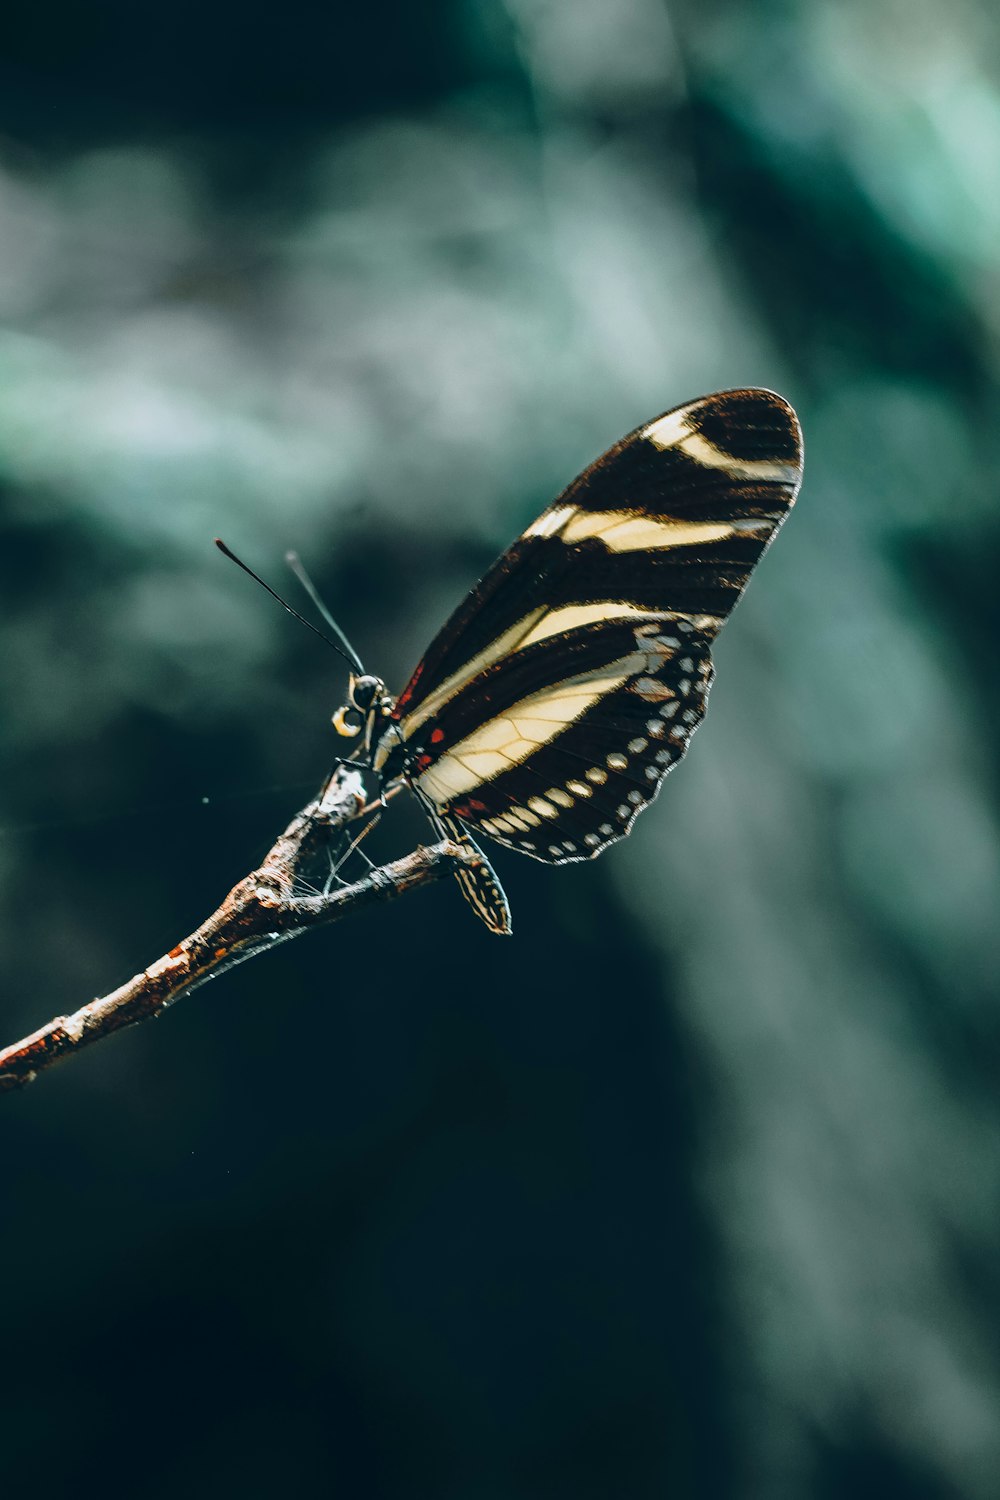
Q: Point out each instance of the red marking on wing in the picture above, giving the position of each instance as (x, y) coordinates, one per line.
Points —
(468, 807)
(407, 693)
(437, 735)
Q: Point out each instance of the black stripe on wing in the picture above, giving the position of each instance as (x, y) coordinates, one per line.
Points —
(671, 519)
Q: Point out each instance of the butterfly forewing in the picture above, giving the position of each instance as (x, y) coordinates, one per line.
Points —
(673, 518)
(555, 699)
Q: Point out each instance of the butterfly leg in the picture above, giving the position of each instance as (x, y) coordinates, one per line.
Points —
(332, 877)
(353, 846)
(339, 761)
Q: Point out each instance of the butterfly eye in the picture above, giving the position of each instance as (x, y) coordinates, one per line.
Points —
(364, 691)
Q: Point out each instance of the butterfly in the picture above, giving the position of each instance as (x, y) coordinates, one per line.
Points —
(548, 709)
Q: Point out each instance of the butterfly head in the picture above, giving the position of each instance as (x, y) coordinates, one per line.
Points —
(367, 708)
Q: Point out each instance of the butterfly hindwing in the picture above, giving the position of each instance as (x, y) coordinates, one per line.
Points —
(561, 770)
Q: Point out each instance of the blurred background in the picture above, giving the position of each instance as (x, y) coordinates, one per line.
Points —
(691, 1189)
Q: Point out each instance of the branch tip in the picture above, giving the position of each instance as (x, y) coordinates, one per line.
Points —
(260, 911)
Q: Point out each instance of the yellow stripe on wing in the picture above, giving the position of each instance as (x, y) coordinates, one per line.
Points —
(517, 734)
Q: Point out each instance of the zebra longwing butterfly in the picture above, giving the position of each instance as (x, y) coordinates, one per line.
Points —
(549, 708)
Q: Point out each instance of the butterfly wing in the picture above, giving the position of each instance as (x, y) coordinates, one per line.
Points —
(552, 703)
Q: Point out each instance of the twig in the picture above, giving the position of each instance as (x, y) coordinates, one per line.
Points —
(260, 911)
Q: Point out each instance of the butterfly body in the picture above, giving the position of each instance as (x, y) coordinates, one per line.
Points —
(548, 709)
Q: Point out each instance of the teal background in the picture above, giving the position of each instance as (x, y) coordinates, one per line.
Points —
(691, 1189)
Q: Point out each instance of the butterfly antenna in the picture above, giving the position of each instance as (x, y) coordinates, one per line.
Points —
(350, 655)
(294, 561)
